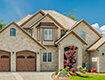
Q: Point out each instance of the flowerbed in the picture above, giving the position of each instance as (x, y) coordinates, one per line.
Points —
(72, 73)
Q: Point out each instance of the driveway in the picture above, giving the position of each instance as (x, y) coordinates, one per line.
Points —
(25, 75)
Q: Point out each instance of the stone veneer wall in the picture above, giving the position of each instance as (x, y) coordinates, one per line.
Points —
(70, 40)
(19, 43)
(102, 58)
(94, 60)
(91, 37)
(50, 66)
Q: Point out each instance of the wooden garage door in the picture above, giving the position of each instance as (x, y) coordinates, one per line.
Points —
(26, 61)
(4, 61)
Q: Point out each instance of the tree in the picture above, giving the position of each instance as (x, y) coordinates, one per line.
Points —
(70, 56)
(2, 25)
(71, 15)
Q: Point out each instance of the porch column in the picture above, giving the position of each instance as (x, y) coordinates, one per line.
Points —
(61, 57)
(13, 61)
(38, 61)
(79, 57)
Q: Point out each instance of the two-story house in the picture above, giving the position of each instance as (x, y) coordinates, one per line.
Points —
(38, 42)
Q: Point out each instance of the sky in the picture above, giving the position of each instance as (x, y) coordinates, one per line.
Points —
(93, 11)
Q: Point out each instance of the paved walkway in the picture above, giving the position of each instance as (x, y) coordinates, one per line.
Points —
(25, 75)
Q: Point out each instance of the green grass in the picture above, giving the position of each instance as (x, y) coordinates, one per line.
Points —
(88, 77)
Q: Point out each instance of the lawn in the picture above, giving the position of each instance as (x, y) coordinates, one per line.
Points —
(88, 77)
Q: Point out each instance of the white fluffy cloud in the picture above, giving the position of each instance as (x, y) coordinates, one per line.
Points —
(101, 29)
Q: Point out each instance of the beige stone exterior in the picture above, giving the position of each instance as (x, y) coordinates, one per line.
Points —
(50, 66)
(69, 42)
(19, 43)
(93, 59)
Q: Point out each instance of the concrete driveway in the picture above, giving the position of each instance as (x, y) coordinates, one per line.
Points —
(25, 75)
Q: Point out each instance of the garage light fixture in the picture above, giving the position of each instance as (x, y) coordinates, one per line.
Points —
(13, 52)
(102, 53)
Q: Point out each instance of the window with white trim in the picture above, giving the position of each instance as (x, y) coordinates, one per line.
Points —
(48, 34)
(47, 57)
(38, 34)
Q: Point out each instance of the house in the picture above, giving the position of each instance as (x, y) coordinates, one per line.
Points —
(38, 42)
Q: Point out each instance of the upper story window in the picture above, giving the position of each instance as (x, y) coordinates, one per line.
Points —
(38, 34)
(29, 32)
(12, 32)
(82, 35)
(48, 34)
(47, 57)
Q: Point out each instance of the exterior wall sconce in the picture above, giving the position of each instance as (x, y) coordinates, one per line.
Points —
(102, 53)
(13, 52)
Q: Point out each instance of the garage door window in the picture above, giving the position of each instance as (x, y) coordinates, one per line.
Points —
(47, 57)
(20, 57)
(30, 57)
(4, 56)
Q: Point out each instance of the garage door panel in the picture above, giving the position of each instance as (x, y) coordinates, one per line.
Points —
(26, 63)
(4, 61)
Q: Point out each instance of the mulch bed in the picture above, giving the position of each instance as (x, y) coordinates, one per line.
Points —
(77, 73)
(91, 73)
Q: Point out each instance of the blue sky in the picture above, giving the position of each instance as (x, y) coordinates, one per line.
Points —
(93, 11)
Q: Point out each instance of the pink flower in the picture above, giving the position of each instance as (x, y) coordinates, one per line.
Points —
(72, 69)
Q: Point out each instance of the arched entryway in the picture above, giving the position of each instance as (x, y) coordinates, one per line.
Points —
(4, 60)
(26, 61)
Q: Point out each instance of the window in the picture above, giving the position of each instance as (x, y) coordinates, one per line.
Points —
(31, 57)
(4, 56)
(48, 34)
(47, 57)
(29, 32)
(38, 34)
(20, 57)
(82, 35)
(12, 32)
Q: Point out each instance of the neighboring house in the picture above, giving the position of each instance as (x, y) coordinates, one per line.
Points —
(38, 42)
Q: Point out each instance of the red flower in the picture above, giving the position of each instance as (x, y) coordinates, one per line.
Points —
(57, 70)
(93, 70)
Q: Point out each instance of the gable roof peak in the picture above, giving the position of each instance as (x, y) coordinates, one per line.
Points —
(24, 32)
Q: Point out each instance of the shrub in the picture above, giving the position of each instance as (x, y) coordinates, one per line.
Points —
(64, 71)
(82, 70)
(60, 69)
(99, 72)
(79, 68)
(56, 72)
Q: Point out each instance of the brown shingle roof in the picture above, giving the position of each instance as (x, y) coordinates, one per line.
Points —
(63, 20)
(66, 22)
(97, 44)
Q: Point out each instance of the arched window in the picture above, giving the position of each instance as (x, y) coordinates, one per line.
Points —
(30, 57)
(82, 35)
(12, 32)
(20, 57)
(4, 56)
